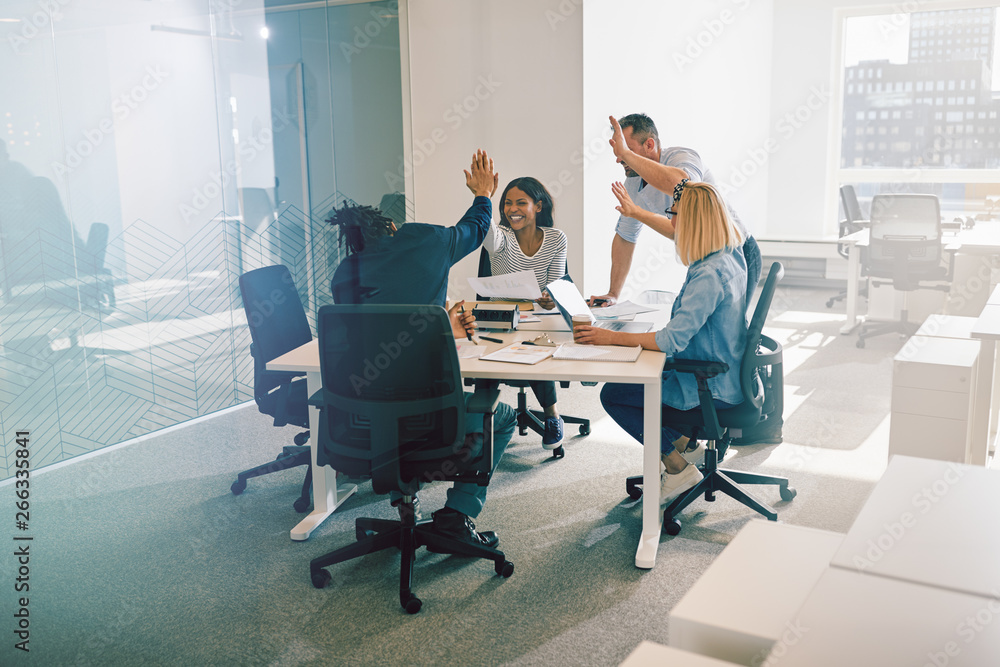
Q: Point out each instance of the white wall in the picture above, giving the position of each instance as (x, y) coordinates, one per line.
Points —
(701, 71)
(516, 80)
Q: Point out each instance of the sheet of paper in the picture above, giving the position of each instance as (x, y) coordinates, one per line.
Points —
(467, 350)
(622, 309)
(521, 354)
(519, 285)
(522, 317)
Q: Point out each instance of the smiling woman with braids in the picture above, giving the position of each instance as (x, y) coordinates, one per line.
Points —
(707, 323)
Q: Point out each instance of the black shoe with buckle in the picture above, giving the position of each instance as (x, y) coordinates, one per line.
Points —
(457, 526)
(405, 509)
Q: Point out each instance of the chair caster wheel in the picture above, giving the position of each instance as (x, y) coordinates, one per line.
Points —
(362, 534)
(634, 490)
(584, 429)
(238, 487)
(860, 344)
(301, 505)
(321, 578)
(301, 438)
(787, 492)
(558, 452)
(504, 568)
(412, 604)
(672, 526)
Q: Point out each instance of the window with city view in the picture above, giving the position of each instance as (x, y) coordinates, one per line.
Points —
(929, 101)
(921, 100)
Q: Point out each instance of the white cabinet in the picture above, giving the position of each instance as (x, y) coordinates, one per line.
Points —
(933, 395)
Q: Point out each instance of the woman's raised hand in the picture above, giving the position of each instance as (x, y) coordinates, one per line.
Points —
(626, 206)
(482, 180)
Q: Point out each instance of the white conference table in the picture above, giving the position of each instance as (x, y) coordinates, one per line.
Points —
(646, 370)
(983, 239)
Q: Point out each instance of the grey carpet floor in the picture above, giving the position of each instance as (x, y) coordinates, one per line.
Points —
(143, 556)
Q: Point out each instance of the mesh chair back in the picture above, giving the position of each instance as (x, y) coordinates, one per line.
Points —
(277, 324)
(756, 353)
(852, 209)
(905, 240)
(393, 406)
(853, 217)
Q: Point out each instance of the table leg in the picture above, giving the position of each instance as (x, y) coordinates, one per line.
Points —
(652, 516)
(853, 269)
(326, 495)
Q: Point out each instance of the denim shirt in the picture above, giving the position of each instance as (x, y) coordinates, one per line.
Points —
(708, 322)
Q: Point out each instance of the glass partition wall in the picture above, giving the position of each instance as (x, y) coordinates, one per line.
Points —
(152, 152)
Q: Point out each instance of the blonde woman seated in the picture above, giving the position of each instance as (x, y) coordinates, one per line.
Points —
(707, 323)
(525, 240)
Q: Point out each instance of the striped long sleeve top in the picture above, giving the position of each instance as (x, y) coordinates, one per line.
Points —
(548, 263)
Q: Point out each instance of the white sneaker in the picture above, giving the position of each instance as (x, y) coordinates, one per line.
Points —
(672, 486)
(695, 456)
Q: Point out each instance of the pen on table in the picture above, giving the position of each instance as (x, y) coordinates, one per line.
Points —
(467, 332)
(492, 340)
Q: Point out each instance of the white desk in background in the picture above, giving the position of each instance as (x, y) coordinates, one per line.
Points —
(984, 239)
(930, 522)
(646, 371)
(866, 620)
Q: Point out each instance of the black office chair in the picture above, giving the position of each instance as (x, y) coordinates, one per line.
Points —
(709, 423)
(854, 221)
(99, 285)
(905, 247)
(402, 425)
(278, 325)
(531, 419)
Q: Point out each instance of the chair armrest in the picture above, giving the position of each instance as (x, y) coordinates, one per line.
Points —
(705, 369)
(484, 401)
(316, 400)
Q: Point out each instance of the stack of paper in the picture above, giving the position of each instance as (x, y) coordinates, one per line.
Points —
(521, 354)
(597, 352)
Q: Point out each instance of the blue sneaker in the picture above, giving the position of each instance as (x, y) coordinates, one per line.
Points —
(553, 432)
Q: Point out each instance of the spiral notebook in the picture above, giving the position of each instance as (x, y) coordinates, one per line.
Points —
(597, 352)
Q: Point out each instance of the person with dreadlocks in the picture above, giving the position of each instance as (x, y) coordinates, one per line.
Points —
(409, 265)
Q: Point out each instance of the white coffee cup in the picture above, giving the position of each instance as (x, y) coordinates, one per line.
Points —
(581, 320)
